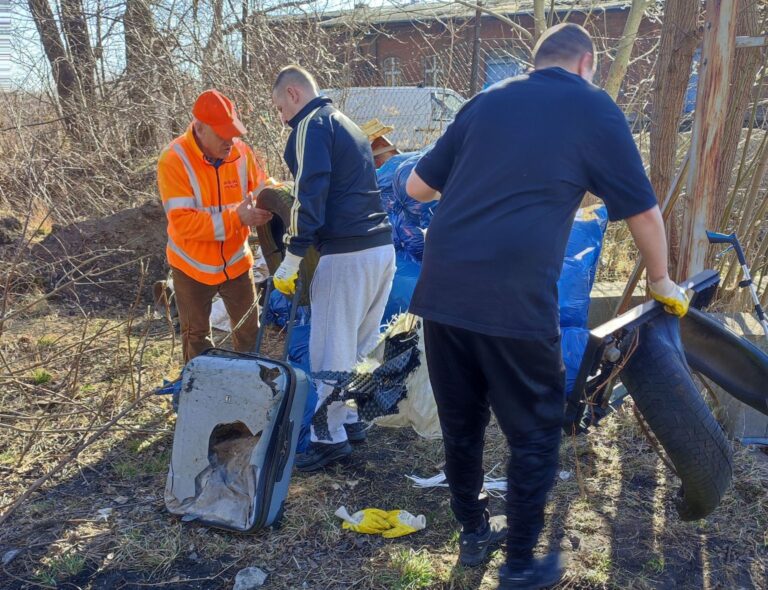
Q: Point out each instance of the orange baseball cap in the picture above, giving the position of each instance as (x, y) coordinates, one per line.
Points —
(217, 111)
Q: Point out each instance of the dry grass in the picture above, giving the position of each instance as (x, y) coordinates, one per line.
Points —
(623, 533)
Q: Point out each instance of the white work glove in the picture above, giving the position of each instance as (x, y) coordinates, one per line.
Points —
(285, 277)
(672, 295)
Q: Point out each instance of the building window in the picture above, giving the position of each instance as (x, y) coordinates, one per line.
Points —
(433, 72)
(392, 71)
(498, 68)
(502, 65)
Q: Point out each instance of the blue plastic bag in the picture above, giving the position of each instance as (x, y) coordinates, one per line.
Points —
(577, 276)
(406, 277)
(407, 236)
(408, 217)
(280, 308)
(385, 176)
(298, 356)
(416, 212)
(573, 342)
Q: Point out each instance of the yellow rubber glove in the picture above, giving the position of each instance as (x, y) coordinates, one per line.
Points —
(403, 523)
(672, 295)
(286, 274)
(370, 521)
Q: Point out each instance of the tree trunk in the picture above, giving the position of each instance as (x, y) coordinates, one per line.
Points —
(75, 29)
(624, 48)
(141, 71)
(707, 137)
(64, 74)
(212, 47)
(746, 64)
(678, 41)
(245, 42)
(474, 66)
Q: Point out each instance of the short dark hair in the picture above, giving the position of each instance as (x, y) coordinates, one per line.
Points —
(562, 44)
(294, 74)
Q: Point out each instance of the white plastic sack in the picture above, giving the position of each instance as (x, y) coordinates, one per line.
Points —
(219, 317)
(418, 409)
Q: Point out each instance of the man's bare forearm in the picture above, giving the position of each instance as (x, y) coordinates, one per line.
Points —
(419, 190)
(647, 229)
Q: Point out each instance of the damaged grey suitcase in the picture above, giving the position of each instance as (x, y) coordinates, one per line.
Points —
(238, 423)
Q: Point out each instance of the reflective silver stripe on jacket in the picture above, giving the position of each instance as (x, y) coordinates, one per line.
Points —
(239, 254)
(179, 203)
(190, 174)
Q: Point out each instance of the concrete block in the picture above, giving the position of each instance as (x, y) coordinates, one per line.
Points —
(604, 299)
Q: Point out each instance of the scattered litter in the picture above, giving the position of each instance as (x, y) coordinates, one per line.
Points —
(105, 513)
(121, 500)
(352, 483)
(9, 556)
(437, 481)
(565, 475)
(249, 578)
(389, 524)
(494, 486)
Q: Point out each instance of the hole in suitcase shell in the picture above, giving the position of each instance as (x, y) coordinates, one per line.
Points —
(269, 376)
(230, 447)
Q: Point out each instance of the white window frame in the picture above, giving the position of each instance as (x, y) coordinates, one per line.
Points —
(433, 71)
(391, 71)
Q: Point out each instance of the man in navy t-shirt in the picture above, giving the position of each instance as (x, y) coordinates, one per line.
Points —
(511, 171)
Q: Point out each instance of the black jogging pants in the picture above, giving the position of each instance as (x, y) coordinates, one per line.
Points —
(523, 382)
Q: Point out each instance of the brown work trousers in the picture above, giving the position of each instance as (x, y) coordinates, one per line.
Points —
(194, 300)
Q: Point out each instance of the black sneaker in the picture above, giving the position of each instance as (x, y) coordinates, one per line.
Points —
(356, 432)
(474, 547)
(319, 455)
(542, 572)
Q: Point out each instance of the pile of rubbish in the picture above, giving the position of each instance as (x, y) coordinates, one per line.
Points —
(410, 222)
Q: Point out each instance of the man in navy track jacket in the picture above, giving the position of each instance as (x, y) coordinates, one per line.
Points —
(337, 209)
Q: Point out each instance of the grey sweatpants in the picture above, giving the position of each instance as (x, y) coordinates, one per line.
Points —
(348, 296)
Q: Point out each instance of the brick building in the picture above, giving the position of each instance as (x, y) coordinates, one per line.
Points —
(434, 44)
(445, 48)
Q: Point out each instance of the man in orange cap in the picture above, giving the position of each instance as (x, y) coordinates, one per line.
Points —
(208, 180)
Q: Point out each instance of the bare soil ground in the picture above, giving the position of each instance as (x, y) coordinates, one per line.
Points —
(70, 365)
(612, 511)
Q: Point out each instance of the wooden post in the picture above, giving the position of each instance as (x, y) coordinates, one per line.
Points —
(708, 127)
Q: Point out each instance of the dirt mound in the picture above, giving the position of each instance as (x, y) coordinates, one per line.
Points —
(104, 257)
(11, 230)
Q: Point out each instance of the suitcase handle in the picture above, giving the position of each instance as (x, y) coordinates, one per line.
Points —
(291, 317)
(285, 449)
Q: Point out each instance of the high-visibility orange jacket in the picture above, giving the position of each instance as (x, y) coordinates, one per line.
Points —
(206, 239)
